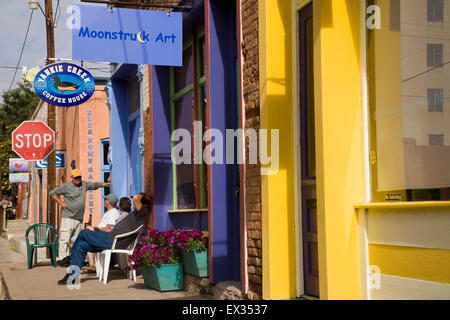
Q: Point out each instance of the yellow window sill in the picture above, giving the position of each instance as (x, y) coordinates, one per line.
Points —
(403, 204)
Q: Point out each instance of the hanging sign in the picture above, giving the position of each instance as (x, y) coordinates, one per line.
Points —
(127, 36)
(60, 162)
(64, 84)
(19, 177)
(18, 165)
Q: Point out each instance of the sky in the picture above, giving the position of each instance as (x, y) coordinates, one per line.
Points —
(14, 17)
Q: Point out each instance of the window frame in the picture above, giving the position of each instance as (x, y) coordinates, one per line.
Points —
(432, 54)
(198, 82)
(437, 104)
(389, 195)
(434, 6)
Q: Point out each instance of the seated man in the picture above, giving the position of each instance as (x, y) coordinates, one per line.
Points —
(106, 224)
(124, 210)
(97, 241)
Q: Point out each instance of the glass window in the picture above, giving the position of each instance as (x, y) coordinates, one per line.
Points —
(184, 76)
(435, 100)
(134, 95)
(435, 10)
(202, 54)
(434, 55)
(436, 139)
(409, 111)
(185, 172)
(188, 106)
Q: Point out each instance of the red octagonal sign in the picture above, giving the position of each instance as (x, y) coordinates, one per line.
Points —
(33, 140)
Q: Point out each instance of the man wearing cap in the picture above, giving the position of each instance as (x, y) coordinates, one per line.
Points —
(73, 205)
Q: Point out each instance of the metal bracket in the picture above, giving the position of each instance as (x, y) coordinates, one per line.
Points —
(160, 5)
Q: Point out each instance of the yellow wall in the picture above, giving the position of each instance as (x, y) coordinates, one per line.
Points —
(278, 218)
(339, 146)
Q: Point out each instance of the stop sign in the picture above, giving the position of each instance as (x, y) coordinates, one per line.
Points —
(33, 140)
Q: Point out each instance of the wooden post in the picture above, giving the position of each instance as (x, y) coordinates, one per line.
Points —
(51, 117)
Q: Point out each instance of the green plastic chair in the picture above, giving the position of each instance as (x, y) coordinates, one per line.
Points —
(41, 235)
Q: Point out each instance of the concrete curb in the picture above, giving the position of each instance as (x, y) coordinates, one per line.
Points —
(4, 293)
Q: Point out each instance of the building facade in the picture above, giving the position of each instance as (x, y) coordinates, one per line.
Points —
(82, 136)
(348, 96)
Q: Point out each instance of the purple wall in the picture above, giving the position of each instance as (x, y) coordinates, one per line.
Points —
(225, 220)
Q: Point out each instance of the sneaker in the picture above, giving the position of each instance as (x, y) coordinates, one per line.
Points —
(64, 262)
(63, 281)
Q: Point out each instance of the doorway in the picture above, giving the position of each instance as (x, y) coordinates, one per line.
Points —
(308, 154)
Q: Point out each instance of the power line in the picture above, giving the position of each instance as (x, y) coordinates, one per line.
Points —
(57, 13)
(21, 52)
(422, 73)
(10, 67)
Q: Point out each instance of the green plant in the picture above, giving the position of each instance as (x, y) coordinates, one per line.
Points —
(156, 248)
(192, 240)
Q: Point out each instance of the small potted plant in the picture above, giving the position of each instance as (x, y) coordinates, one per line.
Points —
(194, 250)
(158, 257)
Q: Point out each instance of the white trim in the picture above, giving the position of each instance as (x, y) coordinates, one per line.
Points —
(400, 288)
(363, 253)
(296, 6)
(365, 105)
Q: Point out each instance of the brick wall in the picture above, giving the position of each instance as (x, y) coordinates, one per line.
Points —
(252, 121)
(148, 137)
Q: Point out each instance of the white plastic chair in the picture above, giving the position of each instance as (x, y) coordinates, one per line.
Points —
(102, 259)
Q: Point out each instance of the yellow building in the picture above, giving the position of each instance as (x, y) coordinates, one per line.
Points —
(355, 210)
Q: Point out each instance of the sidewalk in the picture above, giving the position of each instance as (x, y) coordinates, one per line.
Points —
(40, 282)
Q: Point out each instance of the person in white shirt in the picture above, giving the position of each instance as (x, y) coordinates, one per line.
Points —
(108, 221)
(110, 216)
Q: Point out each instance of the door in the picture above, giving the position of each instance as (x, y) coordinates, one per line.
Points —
(308, 154)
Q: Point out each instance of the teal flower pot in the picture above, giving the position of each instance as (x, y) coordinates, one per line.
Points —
(168, 277)
(196, 263)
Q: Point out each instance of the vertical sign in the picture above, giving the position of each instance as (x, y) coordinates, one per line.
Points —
(90, 160)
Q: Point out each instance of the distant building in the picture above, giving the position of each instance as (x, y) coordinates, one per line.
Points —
(82, 135)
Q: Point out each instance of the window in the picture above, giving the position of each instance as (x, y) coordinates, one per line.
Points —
(435, 100)
(435, 10)
(105, 169)
(134, 96)
(436, 139)
(188, 104)
(407, 77)
(434, 55)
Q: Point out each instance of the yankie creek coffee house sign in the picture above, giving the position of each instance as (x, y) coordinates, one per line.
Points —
(64, 84)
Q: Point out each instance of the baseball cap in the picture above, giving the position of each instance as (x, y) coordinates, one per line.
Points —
(76, 173)
(111, 197)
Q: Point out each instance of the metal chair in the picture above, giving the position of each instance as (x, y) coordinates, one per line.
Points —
(41, 239)
(102, 259)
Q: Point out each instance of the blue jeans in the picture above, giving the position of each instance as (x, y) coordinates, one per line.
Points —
(88, 241)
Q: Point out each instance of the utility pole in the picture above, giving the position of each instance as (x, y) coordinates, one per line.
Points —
(51, 113)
